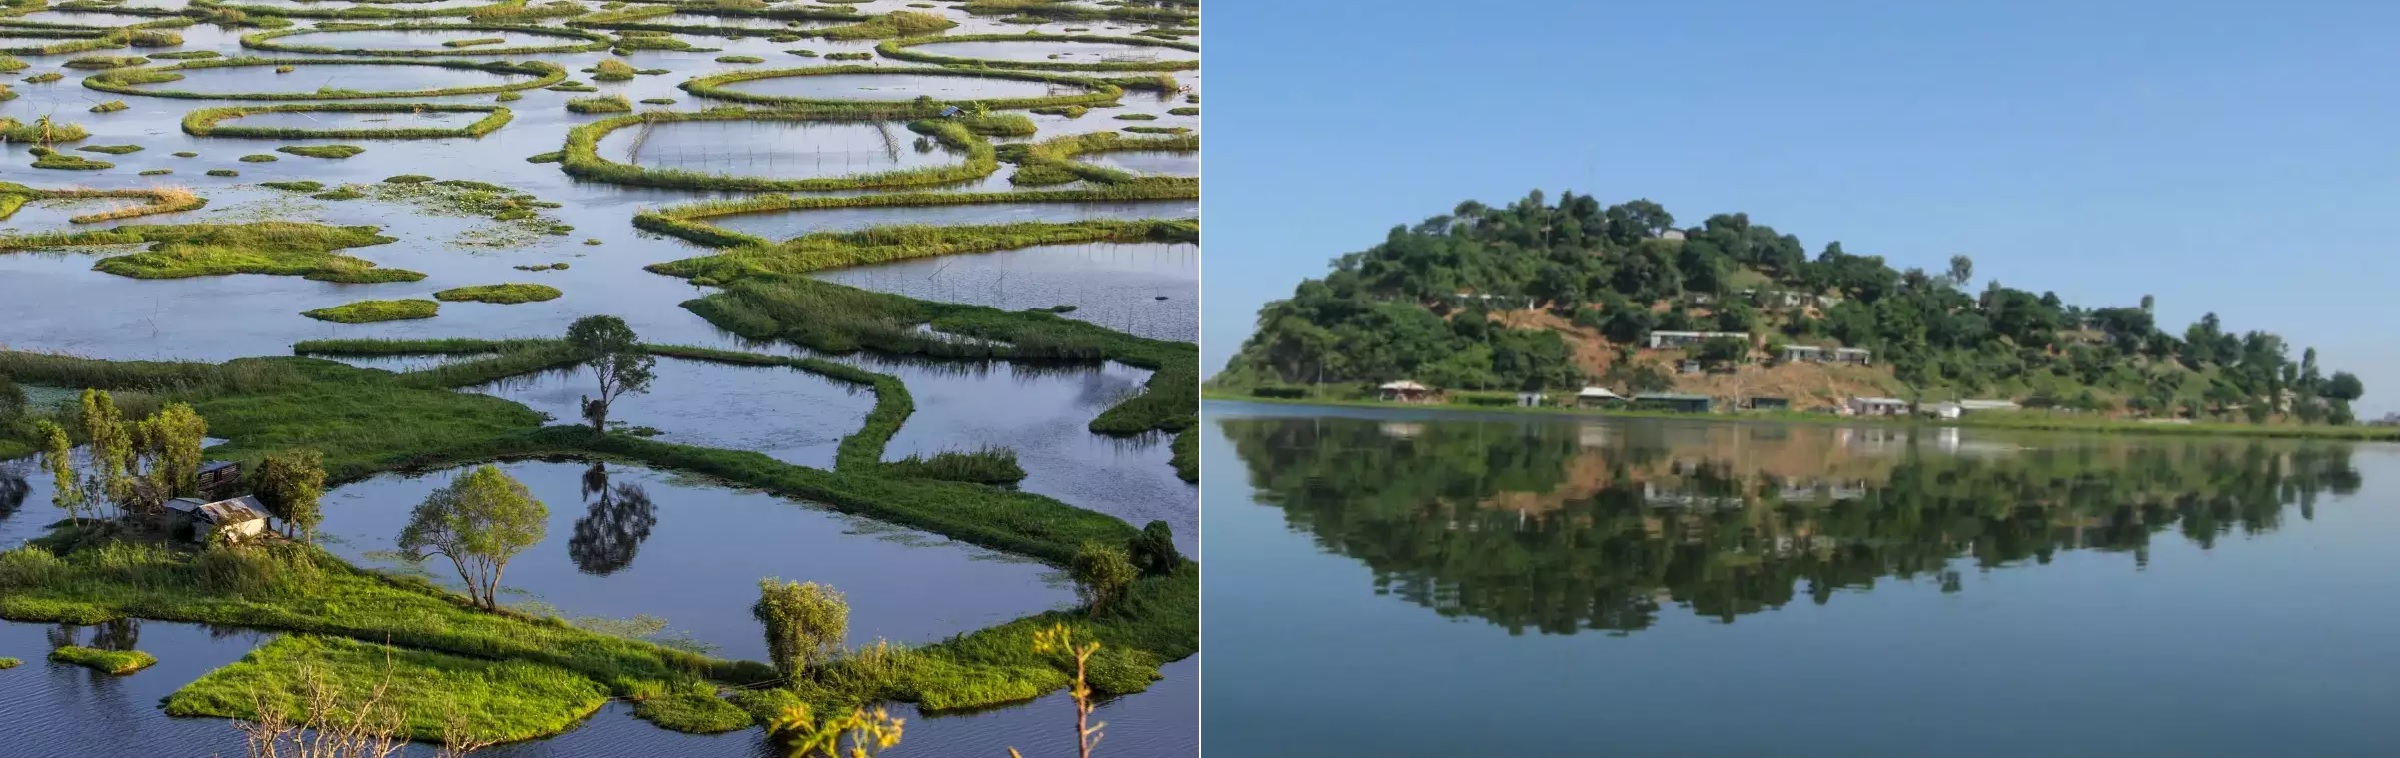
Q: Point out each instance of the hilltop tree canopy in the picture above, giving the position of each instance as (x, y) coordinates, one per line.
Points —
(1420, 305)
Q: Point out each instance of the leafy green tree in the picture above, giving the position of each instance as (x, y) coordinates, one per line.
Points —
(173, 439)
(2344, 386)
(58, 456)
(110, 448)
(1153, 551)
(1103, 573)
(1723, 351)
(805, 623)
(291, 485)
(479, 521)
(616, 357)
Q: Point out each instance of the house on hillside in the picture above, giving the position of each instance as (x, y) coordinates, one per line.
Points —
(1405, 391)
(1670, 401)
(1876, 406)
(1814, 354)
(1595, 397)
(1768, 403)
(242, 517)
(1660, 340)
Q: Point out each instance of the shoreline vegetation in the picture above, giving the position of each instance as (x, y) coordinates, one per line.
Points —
(369, 421)
(2015, 420)
(1096, 91)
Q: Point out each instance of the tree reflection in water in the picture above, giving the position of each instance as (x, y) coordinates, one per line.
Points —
(1564, 527)
(612, 530)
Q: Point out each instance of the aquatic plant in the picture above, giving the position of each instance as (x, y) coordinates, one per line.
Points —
(611, 70)
(223, 172)
(279, 248)
(367, 311)
(985, 465)
(110, 149)
(106, 61)
(582, 159)
(303, 185)
(714, 86)
(126, 81)
(210, 122)
(893, 24)
(258, 158)
(321, 151)
(47, 158)
(111, 106)
(1053, 161)
(504, 294)
(571, 40)
(900, 49)
(160, 200)
(610, 104)
(436, 696)
(119, 662)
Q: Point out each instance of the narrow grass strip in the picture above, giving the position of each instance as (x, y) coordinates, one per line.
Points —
(210, 122)
(578, 41)
(126, 81)
(900, 49)
(1095, 91)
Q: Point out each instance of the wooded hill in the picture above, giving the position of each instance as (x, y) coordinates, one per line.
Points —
(1542, 296)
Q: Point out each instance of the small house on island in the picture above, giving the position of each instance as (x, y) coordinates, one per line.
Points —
(1595, 397)
(241, 517)
(1405, 391)
(1670, 401)
(1876, 406)
(218, 477)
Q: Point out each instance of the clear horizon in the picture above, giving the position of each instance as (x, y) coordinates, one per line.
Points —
(2218, 161)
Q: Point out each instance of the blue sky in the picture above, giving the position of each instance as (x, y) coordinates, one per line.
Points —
(2243, 159)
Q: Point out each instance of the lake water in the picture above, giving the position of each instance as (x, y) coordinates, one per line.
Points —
(900, 85)
(778, 149)
(45, 305)
(1434, 584)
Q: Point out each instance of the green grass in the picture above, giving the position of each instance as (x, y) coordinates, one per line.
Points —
(899, 49)
(12, 130)
(894, 24)
(45, 78)
(209, 122)
(573, 40)
(275, 248)
(610, 104)
(341, 193)
(713, 86)
(51, 159)
(501, 701)
(258, 158)
(582, 159)
(161, 200)
(688, 221)
(1183, 111)
(840, 319)
(110, 149)
(369, 311)
(885, 244)
(111, 106)
(1039, 11)
(321, 151)
(127, 81)
(499, 293)
(106, 61)
(225, 172)
(1052, 161)
(119, 662)
(9, 663)
(303, 185)
(740, 59)
(988, 465)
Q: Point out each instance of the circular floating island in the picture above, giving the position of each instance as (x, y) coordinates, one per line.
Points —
(582, 156)
(438, 40)
(874, 85)
(128, 81)
(1049, 52)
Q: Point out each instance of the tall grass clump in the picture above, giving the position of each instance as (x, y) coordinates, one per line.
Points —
(985, 465)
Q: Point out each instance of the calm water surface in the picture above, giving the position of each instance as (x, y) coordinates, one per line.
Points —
(1422, 584)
